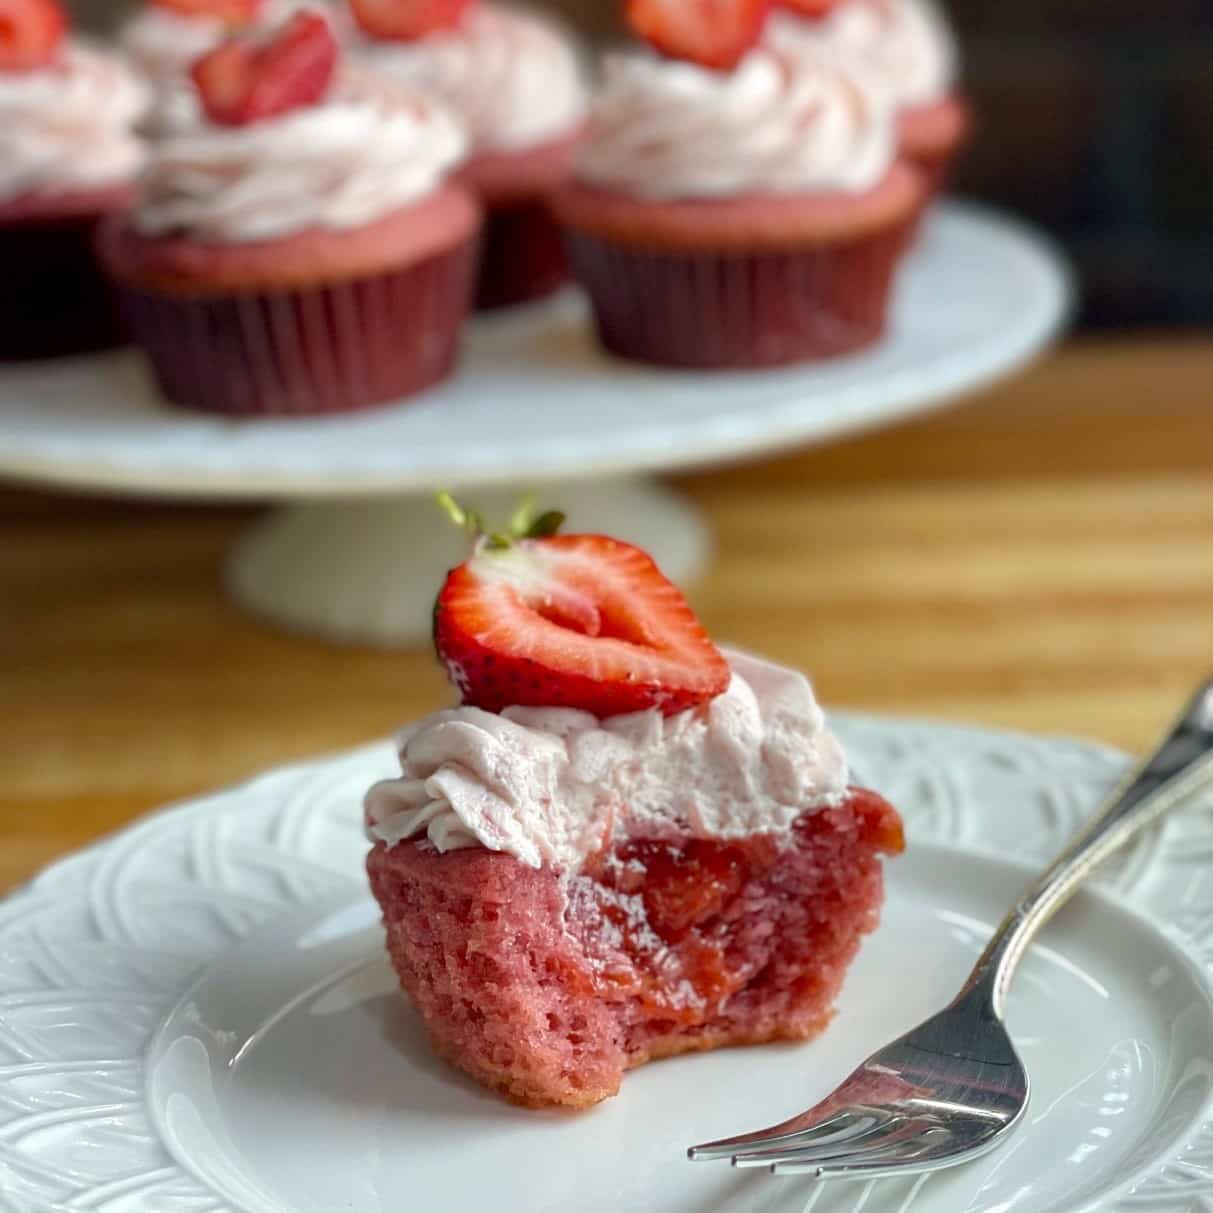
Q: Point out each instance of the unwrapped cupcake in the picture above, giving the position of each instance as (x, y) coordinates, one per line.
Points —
(735, 204)
(297, 250)
(515, 80)
(68, 157)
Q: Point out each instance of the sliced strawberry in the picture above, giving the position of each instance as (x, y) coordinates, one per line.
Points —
(579, 621)
(247, 79)
(403, 20)
(712, 33)
(30, 34)
(815, 10)
(233, 13)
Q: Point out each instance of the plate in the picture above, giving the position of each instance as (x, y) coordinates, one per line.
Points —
(536, 399)
(196, 1017)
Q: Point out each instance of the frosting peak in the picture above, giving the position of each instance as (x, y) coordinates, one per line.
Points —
(364, 151)
(903, 48)
(551, 786)
(783, 121)
(69, 126)
(512, 78)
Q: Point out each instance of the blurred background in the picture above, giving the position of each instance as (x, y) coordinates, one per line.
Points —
(1096, 121)
(1041, 558)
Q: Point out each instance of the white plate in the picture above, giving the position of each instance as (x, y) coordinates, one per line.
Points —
(536, 400)
(195, 1017)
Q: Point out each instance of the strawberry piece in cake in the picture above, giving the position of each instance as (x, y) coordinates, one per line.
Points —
(569, 894)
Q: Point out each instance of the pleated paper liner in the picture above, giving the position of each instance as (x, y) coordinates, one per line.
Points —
(312, 350)
(719, 310)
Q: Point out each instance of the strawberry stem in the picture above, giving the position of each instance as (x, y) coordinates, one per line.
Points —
(524, 523)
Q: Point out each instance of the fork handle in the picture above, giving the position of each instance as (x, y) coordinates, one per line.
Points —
(1178, 767)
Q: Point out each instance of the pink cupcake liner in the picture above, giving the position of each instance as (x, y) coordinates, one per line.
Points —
(55, 300)
(523, 255)
(710, 310)
(317, 349)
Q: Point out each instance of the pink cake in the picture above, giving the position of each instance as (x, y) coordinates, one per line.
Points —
(624, 844)
(548, 987)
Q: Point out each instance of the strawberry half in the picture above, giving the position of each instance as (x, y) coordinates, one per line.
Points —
(233, 13)
(249, 79)
(30, 34)
(405, 20)
(712, 33)
(578, 621)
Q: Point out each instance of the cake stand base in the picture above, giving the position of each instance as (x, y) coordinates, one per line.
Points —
(366, 572)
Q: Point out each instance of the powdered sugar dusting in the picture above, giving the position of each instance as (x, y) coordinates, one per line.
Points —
(553, 786)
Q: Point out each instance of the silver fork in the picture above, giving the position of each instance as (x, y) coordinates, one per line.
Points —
(953, 1087)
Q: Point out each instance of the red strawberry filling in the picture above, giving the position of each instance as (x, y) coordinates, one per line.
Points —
(579, 621)
(31, 32)
(250, 79)
(405, 20)
(712, 33)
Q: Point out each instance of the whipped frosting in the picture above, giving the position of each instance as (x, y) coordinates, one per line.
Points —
(785, 120)
(162, 43)
(69, 126)
(513, 78)
(903, 48)
(364, 151)
(551, 786)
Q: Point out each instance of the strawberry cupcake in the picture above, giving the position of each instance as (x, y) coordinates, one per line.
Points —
(515, 80)
(297, 251)
(624, 843)
(68, 158)
(906, 50)
(735, 205)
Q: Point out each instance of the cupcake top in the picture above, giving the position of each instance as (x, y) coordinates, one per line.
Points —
(786, 119)
(162, 42)
(904, 48)
(351, 152)
(165, 37)
(67, 125)
(554, 785)
(513, 78)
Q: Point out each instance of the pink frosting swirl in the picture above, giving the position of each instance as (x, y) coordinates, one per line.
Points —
(70, 126)
(513, 78)
(551, 785)
(367, 149)
(782, 121)
(903, 48)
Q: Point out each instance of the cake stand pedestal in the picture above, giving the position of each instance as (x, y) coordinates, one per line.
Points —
(365, 572)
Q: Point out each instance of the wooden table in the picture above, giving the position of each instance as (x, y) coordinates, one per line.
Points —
(1041, 558)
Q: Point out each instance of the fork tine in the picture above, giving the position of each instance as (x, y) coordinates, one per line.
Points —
(905, 1147)
(869, 1132)
(788, 1131)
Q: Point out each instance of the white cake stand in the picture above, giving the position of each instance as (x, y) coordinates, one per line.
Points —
(535, 405)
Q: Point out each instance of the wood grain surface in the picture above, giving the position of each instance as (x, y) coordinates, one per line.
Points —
(1041, 557)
